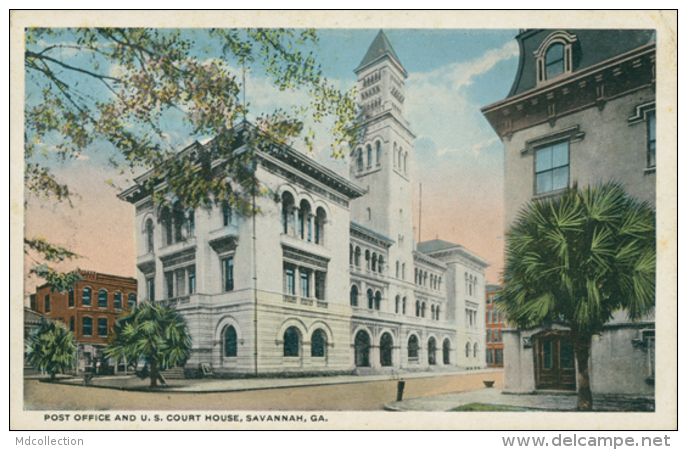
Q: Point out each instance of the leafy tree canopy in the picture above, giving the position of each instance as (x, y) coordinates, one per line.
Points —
(137, 94)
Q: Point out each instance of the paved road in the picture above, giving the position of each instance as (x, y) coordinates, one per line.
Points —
(361, 396)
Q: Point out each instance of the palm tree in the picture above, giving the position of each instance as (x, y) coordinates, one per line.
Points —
(575, 260)
(52, 348)
(156, 333)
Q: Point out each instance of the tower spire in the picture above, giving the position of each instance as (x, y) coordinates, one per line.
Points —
(380, 48)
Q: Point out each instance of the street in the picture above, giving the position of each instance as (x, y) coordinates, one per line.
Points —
(361, 396)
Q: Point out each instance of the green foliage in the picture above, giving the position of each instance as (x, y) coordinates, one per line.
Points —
(154, 332)
(125, 91)
(578, 258)
(52, 348)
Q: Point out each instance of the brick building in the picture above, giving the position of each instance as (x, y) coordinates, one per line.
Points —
(495, 326)
(89, 309)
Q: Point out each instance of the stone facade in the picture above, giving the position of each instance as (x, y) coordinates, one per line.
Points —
(325, 280)
(581, 110)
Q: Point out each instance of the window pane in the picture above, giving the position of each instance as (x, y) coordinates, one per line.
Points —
(290, 282)
(291, 343)
(230, 342)
(102, 326)
(102, 299)
(560, 154)
(544, 182)
(87, 326)
(499, 356)
(118, 300)
(567, 355)
(547, 354)
(559, 178)
(191, 279)
(228, 274)
(317, 344)
(544, 159)
(554, 61)
(169, 281)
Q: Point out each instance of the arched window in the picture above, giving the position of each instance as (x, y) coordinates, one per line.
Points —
(87, 326)
(86, 296)
(405, 162)
(320, 220)
(476, 349)
(304, 222)
(118, 300)
(437, 314)
(367, 259)
(230, 342)
(398, 269)
(369, 214)
(386, 346)
(190, 222)
(554, 61)
(166, 220)
(362, 349)
(291, 342)
(467, 349)
(424, 307)
(102, 298)
(370, 299)
(398, 304)
(131, 302)
(374, 262)
(378, 300)
(357, 256)
(432, 351)
(360, 160)
(150, 236)
(369, 156)
(287, 212)
(413, 347)
(404, 305)
(381, 264)
(178, 221)
(378, 145)
(227, 214)
(446, 347)
(432, 311)
(351, 255)
(400, 158)
(417, 308)
(403, 271)
(354, 295)
(318, 344)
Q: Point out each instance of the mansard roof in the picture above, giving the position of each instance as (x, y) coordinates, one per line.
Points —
(379, 49)
(591, 47)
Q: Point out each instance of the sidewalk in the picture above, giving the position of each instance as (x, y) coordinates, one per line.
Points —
(131, 382)
(492, 399)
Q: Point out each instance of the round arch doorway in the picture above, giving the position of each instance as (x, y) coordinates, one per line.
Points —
(386, 346)
(362, 349)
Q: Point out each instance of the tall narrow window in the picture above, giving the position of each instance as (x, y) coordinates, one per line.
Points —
(191, 223)
(651, 150)
(71, 324)
(150, 236)
(102, 298)
(166, 219)
(132, 301)
(47, 304)
(230, 342)
(87, 326)
(227, 214)
(379, 152)
(118, 300)
(290, 281)
(398, 304)
(320, 220)
(354, 295)
(305, 283)
(378, 300)
(150, 288)
(102, 326)
(228, 273)
(360, 160)
(552, 167)
(191, 271)
(404, 305)
(320, 278)
(413, 347)
(370, 299)
(86, 296)
(71, 298)
(369, 156)
(169, 283)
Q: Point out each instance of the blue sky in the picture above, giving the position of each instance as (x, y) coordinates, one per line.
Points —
(459, 159)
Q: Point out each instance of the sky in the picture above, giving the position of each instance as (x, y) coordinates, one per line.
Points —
(458, 158)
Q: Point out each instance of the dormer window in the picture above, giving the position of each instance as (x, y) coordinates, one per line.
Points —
(555, 56)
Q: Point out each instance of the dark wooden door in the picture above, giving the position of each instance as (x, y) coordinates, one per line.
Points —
(554, 361)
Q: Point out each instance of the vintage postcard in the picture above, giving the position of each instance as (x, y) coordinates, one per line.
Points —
(343, 220)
